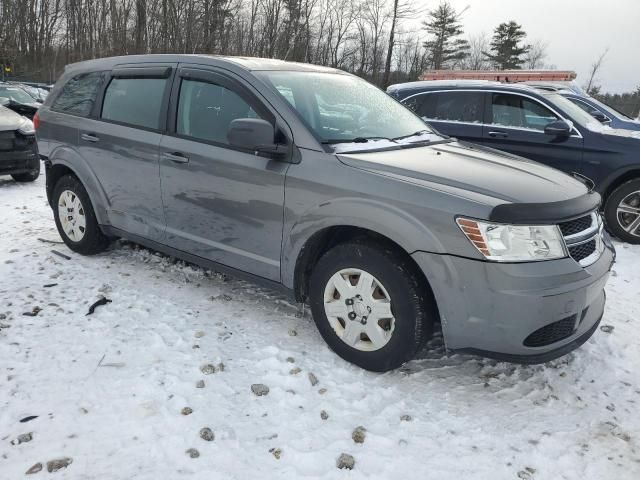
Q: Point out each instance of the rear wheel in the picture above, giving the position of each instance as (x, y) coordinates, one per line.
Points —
(75, 218)
(29, 176)
(622, 212)
(370, 305)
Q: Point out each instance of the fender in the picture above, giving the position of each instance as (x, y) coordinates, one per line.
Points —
(389, 221)
(70, 158)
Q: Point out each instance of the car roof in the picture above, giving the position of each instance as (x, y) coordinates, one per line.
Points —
(245, 63)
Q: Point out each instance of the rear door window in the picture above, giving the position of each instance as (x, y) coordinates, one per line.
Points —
(134, 101)
(79, 94)
(517, 111)
(205, 110)
(452, 106)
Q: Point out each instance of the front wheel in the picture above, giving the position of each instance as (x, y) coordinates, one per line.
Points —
(622, 212)
(370, 306)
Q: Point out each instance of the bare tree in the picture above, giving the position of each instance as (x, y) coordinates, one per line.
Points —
(534, 58)
(595, 67)
(476, 59)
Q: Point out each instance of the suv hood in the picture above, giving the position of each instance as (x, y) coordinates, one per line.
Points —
(465, 169)
(10, 120)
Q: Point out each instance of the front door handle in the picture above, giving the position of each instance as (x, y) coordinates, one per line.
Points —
(176, 157)
(498, 134)
(89, 137)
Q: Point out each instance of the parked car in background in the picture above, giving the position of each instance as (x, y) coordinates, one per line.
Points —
(602, 112)
(18, 149)
(543, 126)
(17, 99)
(315, 182)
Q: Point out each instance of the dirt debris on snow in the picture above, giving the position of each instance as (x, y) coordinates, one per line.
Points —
(58, 464)
(345, 461)
(259, 389)
(207, 434)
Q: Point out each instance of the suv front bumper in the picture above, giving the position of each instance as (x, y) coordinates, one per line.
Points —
(521, 312)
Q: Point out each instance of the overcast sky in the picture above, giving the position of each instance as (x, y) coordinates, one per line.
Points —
(576, 33)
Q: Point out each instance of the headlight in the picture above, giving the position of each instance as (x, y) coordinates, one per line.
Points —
(514, 243)
(27, 127)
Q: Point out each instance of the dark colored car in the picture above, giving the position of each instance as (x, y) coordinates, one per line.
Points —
(602, 112)
(317, 183)
(16, 98)
(543, 126)
(18, 148)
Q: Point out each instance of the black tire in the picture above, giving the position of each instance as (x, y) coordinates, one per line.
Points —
(93, 241)
(611, 216)
(412, 304)
(30, 176)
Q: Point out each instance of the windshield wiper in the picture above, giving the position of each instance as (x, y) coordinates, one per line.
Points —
(356, 140)
(419, 132)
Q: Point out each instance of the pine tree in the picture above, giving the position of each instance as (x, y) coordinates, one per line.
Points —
(507, 48)
(444, 48)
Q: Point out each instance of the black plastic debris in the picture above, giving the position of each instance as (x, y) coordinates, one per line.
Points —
(28, 419)
(102, 301)
(66, 257)
(49, 285)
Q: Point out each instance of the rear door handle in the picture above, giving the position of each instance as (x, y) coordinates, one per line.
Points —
(176, 157)
(89, 137)
(498, 134)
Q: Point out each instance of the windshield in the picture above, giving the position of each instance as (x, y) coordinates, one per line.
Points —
(575, 113)
(342, 108)
(16, 94)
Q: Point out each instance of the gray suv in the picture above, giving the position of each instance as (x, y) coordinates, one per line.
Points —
(315, 182)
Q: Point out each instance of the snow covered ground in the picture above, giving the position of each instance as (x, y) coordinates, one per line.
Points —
(108, 389)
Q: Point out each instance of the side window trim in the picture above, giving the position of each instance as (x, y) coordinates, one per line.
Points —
(214, 78)
(161, 71)
(196, 73)
(524, 129)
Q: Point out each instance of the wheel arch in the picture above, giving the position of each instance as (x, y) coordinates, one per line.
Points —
(617, 179)
(326, 238)
(65, 161)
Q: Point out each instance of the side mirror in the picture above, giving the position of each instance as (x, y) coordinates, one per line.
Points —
(601, 117)
(559, 128)
(39, 100)
(4, 101)
(255, 134)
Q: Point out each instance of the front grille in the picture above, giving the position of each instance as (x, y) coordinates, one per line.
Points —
(575, 226)
(551, 333)
(582, 251)
(583, 239)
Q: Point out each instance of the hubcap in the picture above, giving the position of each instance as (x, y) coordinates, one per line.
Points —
(358, 308)
(628, 213)
(72, 216)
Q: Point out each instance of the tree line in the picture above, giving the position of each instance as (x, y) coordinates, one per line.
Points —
(375, 39)
(371, 38)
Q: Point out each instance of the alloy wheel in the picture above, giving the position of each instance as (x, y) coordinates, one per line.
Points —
(628, 213)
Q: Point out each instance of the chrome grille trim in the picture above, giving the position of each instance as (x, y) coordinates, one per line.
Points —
(592, 233)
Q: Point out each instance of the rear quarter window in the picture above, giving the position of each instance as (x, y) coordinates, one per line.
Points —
(79, 94)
